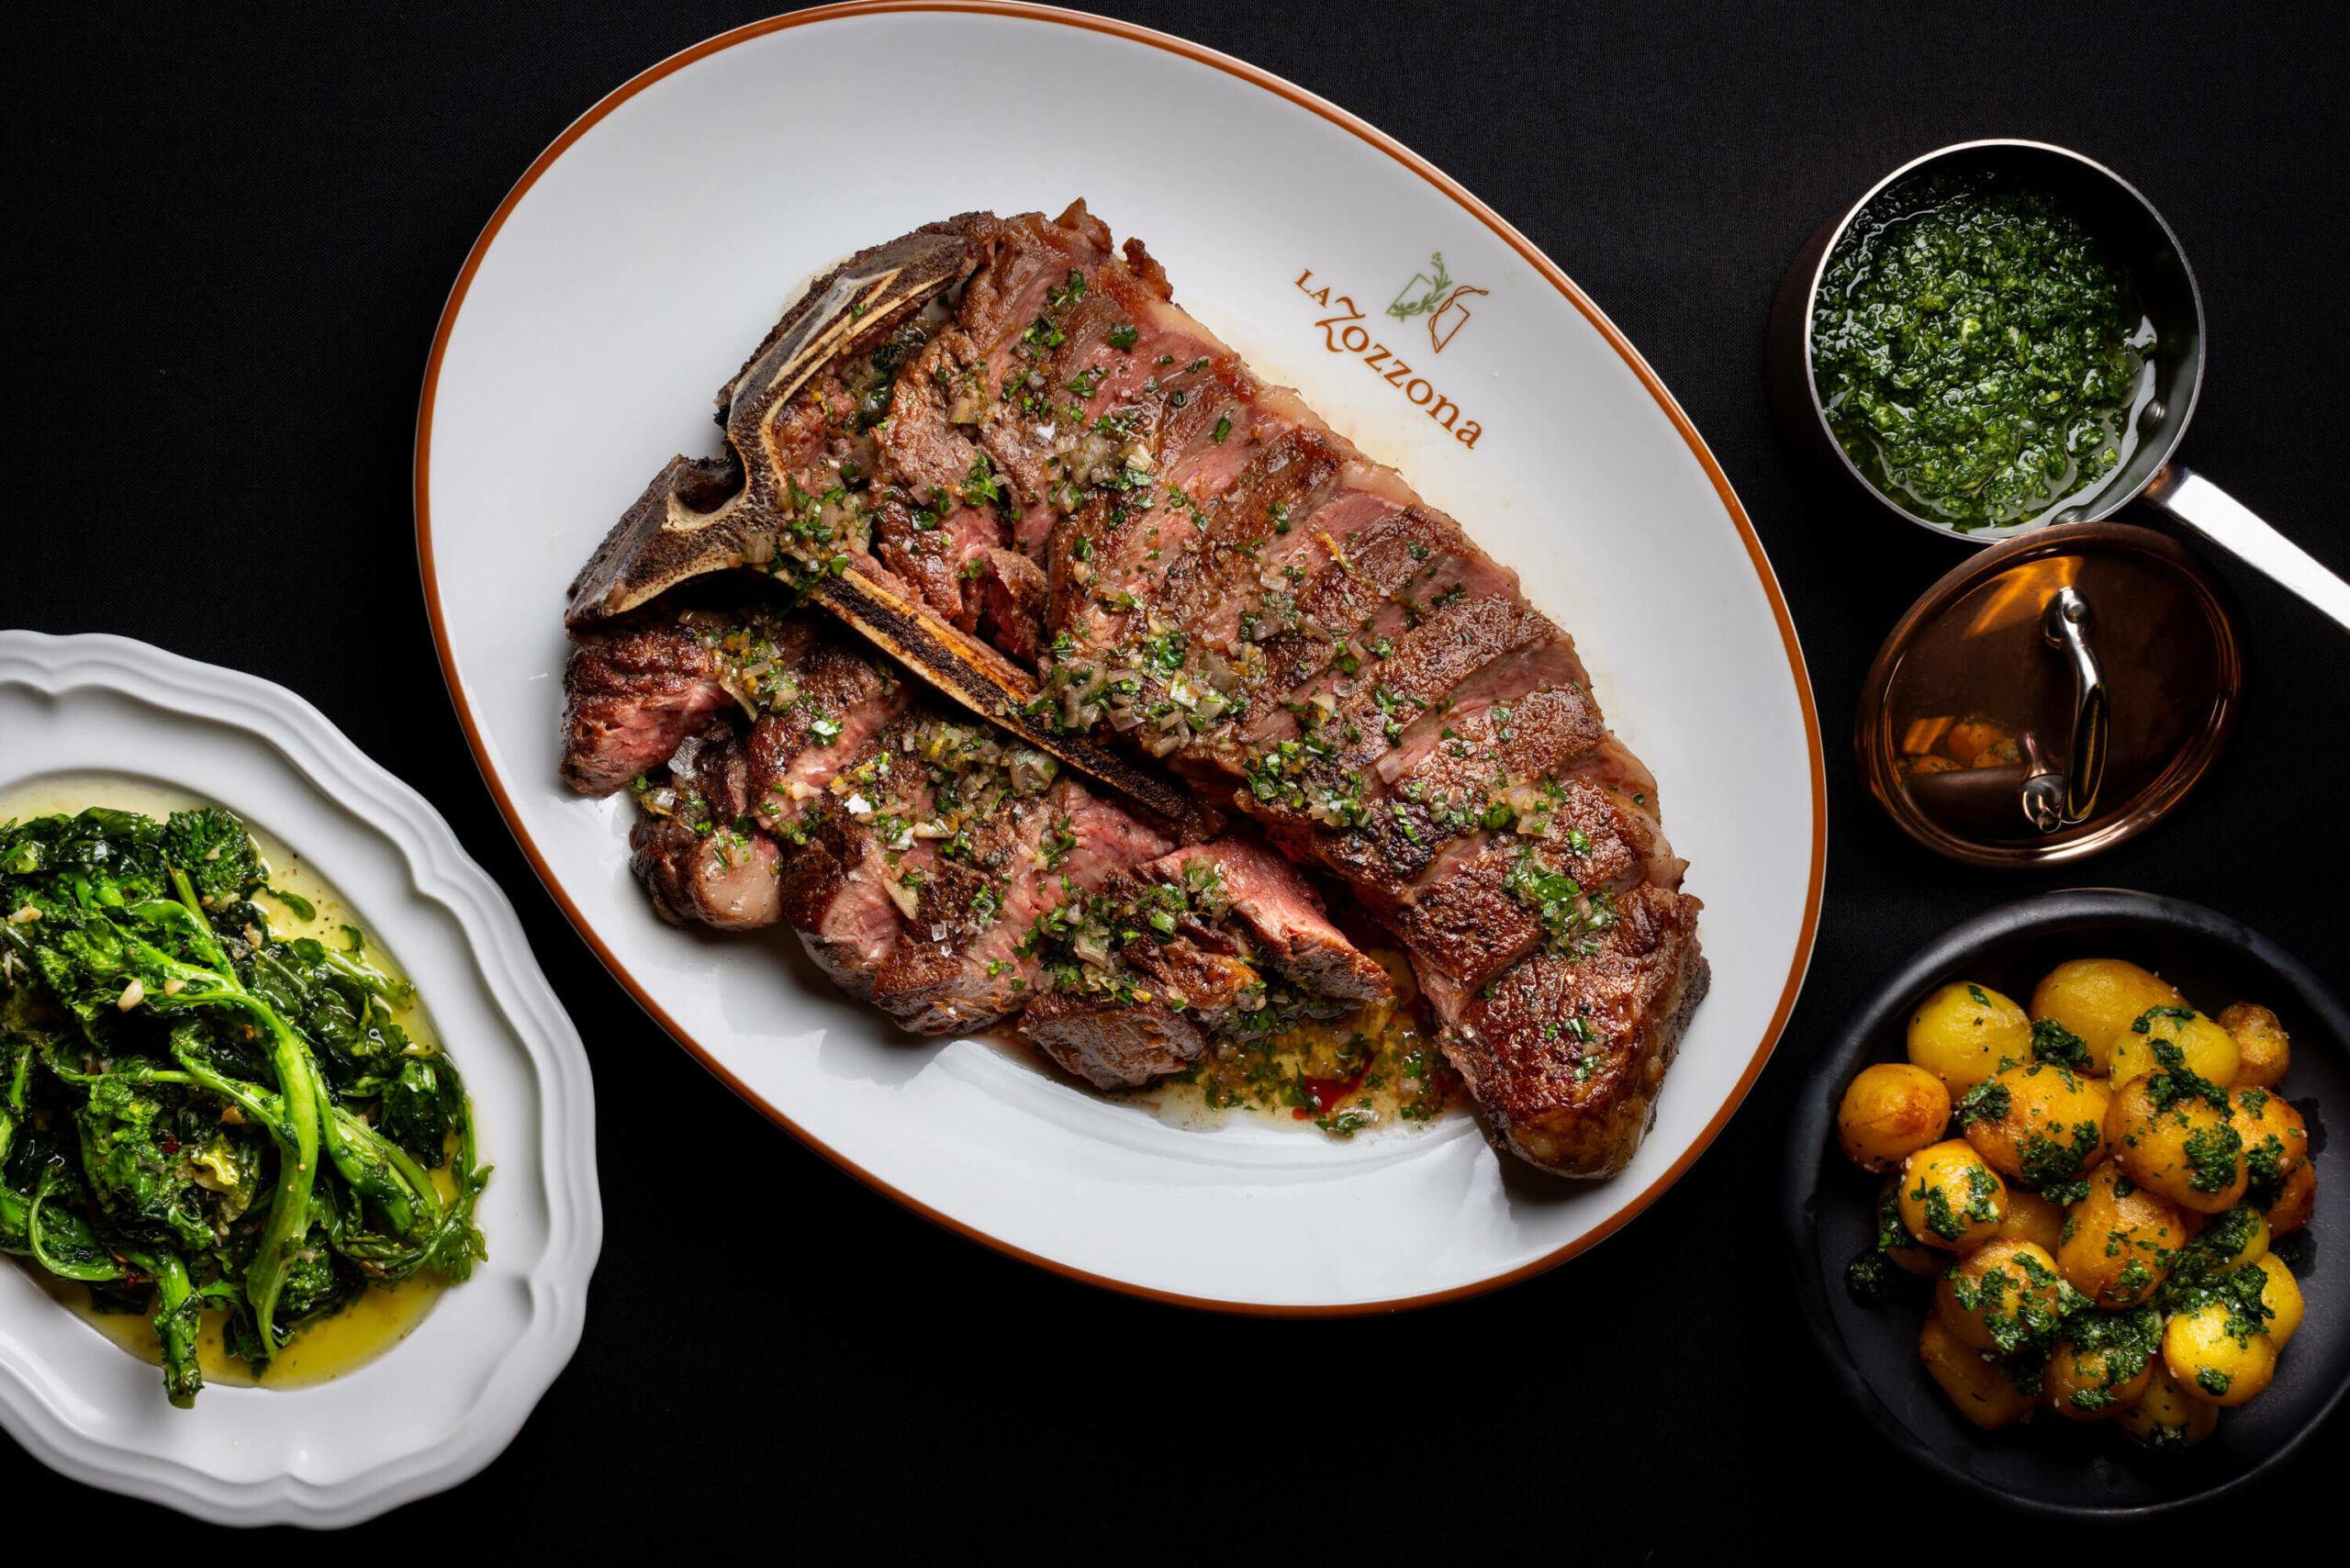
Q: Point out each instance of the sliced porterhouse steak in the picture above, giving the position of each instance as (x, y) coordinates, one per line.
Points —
(1230, 587)
(633, 695)
(931, 866)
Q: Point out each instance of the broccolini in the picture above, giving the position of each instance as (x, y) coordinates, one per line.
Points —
(196, 1113)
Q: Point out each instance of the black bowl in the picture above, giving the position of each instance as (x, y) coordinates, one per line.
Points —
(2048, 1465)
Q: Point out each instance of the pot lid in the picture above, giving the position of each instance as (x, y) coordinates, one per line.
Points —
(2054, 695)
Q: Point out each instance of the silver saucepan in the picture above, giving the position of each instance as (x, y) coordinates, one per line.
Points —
(2136, 236)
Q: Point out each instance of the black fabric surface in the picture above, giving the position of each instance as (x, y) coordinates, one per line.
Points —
(232, 238)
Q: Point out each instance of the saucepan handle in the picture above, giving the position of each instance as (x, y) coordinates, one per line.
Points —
(2229, 523)
(2051, 800)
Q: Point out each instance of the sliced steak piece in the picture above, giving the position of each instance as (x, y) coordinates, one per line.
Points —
(959, 968)
(1464, 921)
(910, 539)
(843, 697)
(1027, 857)
(834, 895)
(1103, 838)
(1282, 912)
(1539, 736)
(632, 697)
(1210, 983)
(720, 878)
(1012, 594)
(1429, 663)
(1565, 1054)
(1109, 1044)
(924, 448)
(1215, 590)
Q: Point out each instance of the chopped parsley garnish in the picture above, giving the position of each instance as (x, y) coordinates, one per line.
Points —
(2052, 1042)
(1989, 1101)
(2211, 1156)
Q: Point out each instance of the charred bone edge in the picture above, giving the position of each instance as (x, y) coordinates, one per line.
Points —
(699, 515)
(702, 516)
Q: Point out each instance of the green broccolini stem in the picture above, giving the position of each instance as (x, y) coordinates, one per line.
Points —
(381, 1171)
(95, 1264)
(178, 1317)
(296, 1130)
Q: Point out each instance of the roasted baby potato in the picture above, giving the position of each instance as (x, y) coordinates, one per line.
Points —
(1982, 1389)
(2209, 1051)
(2036, 1123)
(1949, 1199)
(1904, 1250)
(2282, 1296)
(2000, 1295)
(2234, 1238)
(2217, 1354)
(2276, 1139)
(2263, 1049)
(2291, 1210)
(1963, 1031)
(2169, 1137)
(2118, 1241)
(2032, 1218)
(2106, 1372)
(1889, 1111)
(2166, 1417)
(2097, 998)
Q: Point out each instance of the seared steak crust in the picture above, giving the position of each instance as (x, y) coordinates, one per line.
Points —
(630, 697)
(1112, 1045)
(1566, 1056)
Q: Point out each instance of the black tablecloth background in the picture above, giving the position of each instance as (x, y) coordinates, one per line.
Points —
(231, 240)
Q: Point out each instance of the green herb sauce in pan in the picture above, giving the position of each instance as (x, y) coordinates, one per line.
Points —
(1977, 356)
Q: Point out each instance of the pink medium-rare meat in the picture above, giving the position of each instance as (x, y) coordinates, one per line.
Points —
(928, 867)
(1231, 588)
(633, 696)
(1240, 591)
(1282, 912)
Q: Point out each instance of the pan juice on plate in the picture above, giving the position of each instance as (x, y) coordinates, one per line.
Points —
(1979, 357)
(227, 1138)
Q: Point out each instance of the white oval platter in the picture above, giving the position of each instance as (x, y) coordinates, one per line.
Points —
(654, 244)
(435, 1408)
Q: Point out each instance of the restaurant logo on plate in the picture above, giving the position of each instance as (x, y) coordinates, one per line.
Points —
(1438, 299)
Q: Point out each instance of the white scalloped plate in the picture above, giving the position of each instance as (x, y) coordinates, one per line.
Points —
(658, 238)
(437, 1407)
